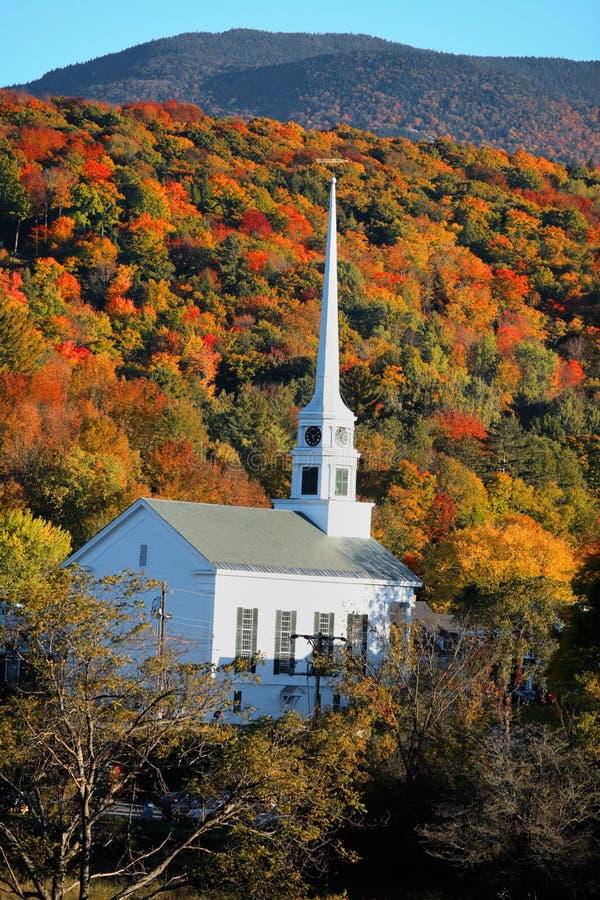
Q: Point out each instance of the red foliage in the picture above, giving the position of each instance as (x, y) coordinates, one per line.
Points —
(507, 337)
(13, 389)
(513, 329)
(298, 227)
(37, 142)
(443, 510)
(191, 315)
(458, 426)
(146, 222)
(70, 288)
(183, 112)
(149, 113)
(32, 179)
(256, 223)
(257, 260)
(72, 352)
(49, 385)
(560, 200)
(413, 563)
(11, 284)
(569, 374)
(61, 231)
(96, 171)
(178, 473)
(509, 286)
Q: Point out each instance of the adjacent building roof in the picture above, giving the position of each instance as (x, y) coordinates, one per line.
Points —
(277, 541)
(439, 621)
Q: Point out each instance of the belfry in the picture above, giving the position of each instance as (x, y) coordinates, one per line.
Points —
(324, 461)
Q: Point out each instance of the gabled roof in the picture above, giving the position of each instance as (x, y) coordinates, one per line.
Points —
(277, 541)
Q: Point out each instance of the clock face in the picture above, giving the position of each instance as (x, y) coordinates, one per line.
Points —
(312, 435)
(342, 436)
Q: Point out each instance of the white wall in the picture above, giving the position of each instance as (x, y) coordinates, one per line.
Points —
(306, 596)
(189, 598)
(202, 604)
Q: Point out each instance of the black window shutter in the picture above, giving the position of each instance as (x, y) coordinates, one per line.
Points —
(277, 642)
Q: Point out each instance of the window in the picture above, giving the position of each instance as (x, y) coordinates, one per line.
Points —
(336, 703)
(341, 482)
(285, 626)
(356, 634)
(245, 637)
(237, 702)
(310, 480)
(324, 623)
(143, 555)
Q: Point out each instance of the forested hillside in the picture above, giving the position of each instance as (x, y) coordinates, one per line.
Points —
(160, 281)
(547, 106)
(159, 303)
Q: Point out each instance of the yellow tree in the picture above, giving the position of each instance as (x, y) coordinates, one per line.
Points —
(512, 580)
(488, 555)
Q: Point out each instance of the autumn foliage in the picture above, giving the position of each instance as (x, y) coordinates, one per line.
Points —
(159, 306)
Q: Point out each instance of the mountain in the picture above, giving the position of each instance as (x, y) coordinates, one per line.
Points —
(547, 106)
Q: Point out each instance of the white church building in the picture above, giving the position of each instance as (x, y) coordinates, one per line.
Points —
(264, 586)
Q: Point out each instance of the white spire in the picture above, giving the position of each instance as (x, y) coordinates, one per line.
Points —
(324, 460)
(326, 397)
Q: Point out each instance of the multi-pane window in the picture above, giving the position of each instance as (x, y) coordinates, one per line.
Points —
(237, 701)
(285, 626)
(324, 623)
(310, 480)
(341, 482)
(356, 635)
(246, 634)
(143, 560)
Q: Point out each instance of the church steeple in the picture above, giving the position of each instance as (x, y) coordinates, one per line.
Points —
(326, 397)
(324, 460)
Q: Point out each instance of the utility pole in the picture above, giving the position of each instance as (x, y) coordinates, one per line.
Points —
(162, 615)
(322, 647)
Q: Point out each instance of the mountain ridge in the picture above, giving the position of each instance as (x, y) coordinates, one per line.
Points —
(549, 106)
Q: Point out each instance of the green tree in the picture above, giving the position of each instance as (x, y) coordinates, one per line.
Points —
(94, 206)
(14, 202)
(575, 671)
(538, 365)
(361, 390)
(304, 782)
(20, 342)
(30, 548)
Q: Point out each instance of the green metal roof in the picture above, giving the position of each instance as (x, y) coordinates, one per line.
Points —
(277, 541)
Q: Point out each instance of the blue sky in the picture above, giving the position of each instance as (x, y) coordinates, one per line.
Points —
(45, 34)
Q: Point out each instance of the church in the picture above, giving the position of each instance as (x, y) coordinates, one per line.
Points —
(265, 587)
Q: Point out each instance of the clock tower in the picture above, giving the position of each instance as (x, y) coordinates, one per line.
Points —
(324, 460)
